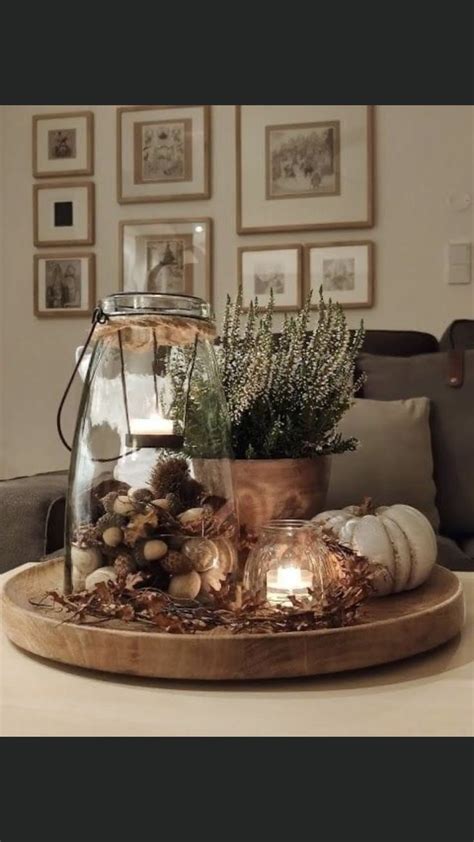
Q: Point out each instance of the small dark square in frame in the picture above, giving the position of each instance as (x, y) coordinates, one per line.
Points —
(63, 214)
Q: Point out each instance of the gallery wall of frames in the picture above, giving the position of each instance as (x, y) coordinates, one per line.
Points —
(201, 199)
(297, 169)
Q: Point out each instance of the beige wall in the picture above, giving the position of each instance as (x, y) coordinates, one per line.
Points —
(423, 155)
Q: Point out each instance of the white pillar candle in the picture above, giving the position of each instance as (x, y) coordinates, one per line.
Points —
(155, 425)
(288, 581)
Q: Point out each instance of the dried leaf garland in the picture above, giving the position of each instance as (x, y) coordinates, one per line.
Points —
(131, 599)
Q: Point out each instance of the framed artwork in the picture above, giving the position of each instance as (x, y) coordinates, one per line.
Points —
(166, 255)
(265, 268)
(63, 144)
(64, 284)
(63, 214)
(319, 155)
(344, 270)
(163, 153)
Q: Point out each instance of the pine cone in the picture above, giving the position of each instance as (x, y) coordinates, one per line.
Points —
(86, 535)
(124, 564)
(175, 562)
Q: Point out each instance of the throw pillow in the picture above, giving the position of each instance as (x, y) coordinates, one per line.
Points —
(451, 419)
(393, 463)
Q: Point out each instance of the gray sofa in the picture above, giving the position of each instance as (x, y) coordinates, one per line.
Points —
(398, 364)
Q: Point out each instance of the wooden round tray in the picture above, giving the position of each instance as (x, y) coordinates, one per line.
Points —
(391, 628)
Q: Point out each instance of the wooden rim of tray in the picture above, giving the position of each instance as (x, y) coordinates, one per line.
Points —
(391, 628)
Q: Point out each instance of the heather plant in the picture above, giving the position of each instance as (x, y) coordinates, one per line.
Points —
(287, 393)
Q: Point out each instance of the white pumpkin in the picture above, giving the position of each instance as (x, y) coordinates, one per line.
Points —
(399, 538)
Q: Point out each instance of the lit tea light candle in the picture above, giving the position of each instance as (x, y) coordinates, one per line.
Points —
(288, 581)
(155, 425)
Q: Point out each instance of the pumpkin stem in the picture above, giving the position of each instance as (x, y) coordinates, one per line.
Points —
(368, 507)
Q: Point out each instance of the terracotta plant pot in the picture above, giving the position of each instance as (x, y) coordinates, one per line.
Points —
(266, 489)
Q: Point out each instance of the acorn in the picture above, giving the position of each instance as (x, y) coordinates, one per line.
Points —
(84, 561)
(123, 506)
(110, 528)
(124, 564)
(175, 562)
(201, 552)
(194, 521)
(147, 552)
(161, 503)
(185, 585)
(140, 495)
(102, 574)
(109, 500)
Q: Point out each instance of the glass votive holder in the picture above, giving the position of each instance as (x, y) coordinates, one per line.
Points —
(289, 562)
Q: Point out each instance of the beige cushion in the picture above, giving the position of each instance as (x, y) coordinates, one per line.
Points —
(393, 463)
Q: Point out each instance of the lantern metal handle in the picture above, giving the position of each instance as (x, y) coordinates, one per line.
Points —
(98, 317)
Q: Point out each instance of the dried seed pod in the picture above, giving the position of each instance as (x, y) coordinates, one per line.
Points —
(212, 579)
(202, 553)
(102, 574)
(147, 552)
(175, 562)
(84, 561)
(124, 564)
(123, 506)
(140, 495)
(168, 476)
(185, 585)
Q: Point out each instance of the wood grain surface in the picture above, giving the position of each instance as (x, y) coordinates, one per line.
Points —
(267, 489)
(391, 628)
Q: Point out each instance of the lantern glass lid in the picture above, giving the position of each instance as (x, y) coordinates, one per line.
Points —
(289, 562)
(150, 469)
(158, 303)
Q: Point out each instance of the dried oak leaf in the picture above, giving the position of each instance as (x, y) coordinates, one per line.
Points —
(140, 525)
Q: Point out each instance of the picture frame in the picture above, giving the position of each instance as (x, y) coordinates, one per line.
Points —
(163, 153)
(63, 144)
(344, 270)
(63, 213)
(277, 267)
(166, 255)
(322, 156)
(64, 285)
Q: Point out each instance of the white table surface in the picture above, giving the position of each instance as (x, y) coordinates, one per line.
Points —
(429, 695)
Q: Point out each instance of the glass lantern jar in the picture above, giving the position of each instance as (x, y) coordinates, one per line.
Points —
(150, 486)
(289, 562)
